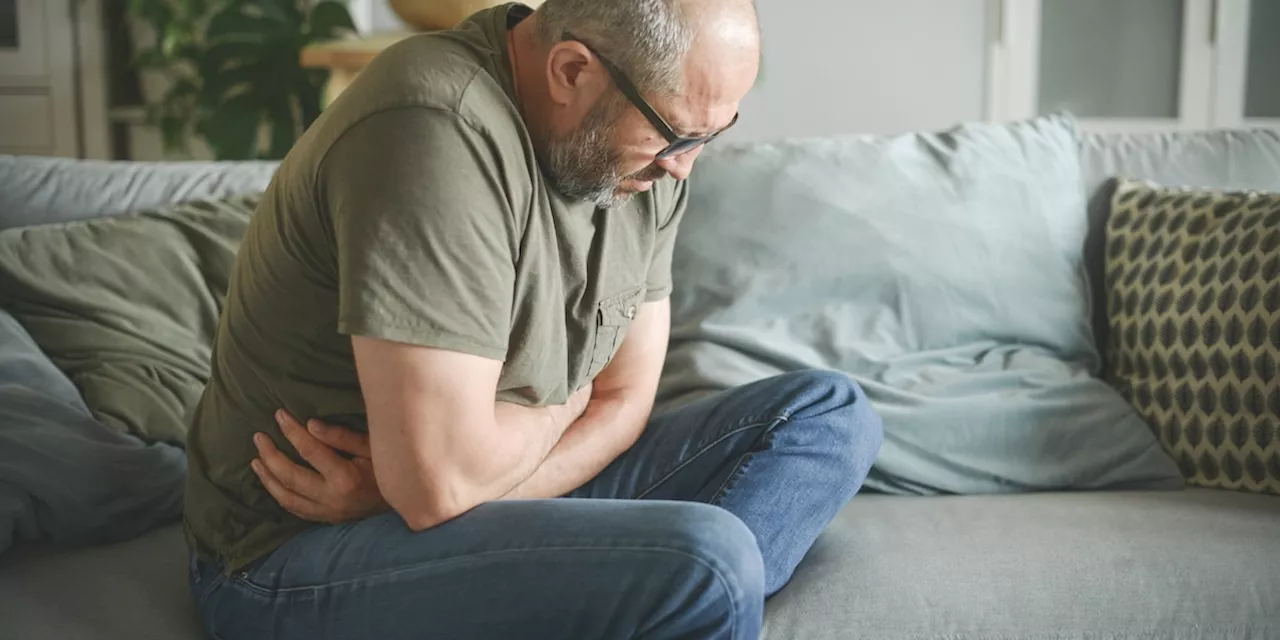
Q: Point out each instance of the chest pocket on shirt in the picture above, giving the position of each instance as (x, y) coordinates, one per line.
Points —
(613, 316)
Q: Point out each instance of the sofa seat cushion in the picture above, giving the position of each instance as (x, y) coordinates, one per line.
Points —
(1187, 565)
(135, 590)
(1191, 564)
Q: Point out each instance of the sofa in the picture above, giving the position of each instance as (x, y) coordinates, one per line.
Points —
(1003, 506)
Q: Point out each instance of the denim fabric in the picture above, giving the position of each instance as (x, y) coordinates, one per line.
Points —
(683, 536)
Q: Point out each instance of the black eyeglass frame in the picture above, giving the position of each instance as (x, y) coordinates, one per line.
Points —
(676, 143)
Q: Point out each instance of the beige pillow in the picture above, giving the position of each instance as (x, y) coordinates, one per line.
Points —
(1193, 284)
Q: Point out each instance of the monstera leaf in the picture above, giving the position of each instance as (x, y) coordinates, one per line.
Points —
(237, 81)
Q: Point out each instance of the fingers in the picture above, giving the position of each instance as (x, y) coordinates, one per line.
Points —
(351, 441)
(291, 501)
(312, 450)
(293, 476)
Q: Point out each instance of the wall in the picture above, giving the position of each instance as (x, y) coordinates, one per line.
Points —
(384, 19)
(867, 66)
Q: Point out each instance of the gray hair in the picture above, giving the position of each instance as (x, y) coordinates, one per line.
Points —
(647, 39)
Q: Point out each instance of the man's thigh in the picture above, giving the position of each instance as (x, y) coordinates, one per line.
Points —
(538, 568)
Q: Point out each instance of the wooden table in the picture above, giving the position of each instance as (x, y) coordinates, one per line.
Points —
(344, 59)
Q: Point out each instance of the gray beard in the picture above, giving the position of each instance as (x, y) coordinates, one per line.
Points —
(583, 163)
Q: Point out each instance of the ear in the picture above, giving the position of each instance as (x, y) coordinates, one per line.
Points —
(573, 74)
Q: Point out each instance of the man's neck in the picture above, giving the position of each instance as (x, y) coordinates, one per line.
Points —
(527, 74)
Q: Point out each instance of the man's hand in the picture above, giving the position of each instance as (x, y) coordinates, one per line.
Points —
(338, 490)
(343, 489)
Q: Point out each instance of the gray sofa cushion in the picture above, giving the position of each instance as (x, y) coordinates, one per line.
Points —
(1182, 565)
(65, 477)
(135, 590)
(1226, 159)
(40, 190)
(1196, 564)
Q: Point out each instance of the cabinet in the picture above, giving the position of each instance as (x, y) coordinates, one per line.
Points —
(1248, 64)
(52, 100)
(1138, 64)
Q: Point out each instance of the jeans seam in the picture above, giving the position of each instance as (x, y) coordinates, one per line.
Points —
(249, 584)
(732, 478)
(288, 591)
(707, 447)
(746, 460)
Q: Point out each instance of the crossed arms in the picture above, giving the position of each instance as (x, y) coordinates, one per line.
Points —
(439, 445)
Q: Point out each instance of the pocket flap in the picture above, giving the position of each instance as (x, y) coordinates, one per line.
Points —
(621, 309)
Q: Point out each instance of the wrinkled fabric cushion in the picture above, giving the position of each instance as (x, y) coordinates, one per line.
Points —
(943, 272)
(1168, 565)
(127, 306)
(64, 477)
(43, 190)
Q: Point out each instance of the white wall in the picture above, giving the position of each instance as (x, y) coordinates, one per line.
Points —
(841, 66)
(866, 66)
(384, 19)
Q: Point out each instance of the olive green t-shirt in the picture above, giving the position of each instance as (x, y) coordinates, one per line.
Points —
(413, 210)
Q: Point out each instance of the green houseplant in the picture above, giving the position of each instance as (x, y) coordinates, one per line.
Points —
(233, 71)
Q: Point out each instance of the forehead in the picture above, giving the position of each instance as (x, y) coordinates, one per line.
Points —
(713, 87)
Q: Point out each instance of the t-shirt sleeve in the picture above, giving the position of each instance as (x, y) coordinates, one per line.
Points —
(658, 282)
(424, 232)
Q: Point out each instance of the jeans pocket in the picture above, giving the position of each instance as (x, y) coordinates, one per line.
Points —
(613, 316)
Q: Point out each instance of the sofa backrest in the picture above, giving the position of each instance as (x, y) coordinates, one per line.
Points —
(1233, 159)
(41, 190)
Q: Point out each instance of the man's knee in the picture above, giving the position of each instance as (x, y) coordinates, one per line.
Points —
(817, 392)
(717, 543)
(851, 422)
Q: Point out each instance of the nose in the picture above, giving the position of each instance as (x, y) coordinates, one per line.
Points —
(679, 166)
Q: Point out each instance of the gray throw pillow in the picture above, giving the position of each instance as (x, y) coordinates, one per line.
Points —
(943, 272)
(65, 477)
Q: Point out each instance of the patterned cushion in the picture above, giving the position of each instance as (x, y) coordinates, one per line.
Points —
(1193, 283)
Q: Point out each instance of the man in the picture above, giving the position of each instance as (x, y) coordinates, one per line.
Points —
(468, 258)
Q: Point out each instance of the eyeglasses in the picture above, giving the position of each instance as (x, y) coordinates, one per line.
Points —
(676, 143)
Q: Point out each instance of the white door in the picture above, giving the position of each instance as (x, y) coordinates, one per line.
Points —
(1128, 65)
(1247, 91)
(22, 45)
(37, 78)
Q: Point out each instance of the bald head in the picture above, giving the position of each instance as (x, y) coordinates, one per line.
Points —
(722, 23)
(630, 89)
(652, 40)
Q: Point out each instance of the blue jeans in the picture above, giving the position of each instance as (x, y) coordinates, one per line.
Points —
(683, 536)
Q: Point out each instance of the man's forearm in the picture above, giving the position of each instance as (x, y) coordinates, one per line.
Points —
(610, 425)
(517, 442)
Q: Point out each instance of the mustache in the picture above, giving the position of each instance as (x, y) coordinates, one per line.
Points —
(650, 173)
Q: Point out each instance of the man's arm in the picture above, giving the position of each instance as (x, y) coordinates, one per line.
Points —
(440, 444)
(621, 401)
(339, 489)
